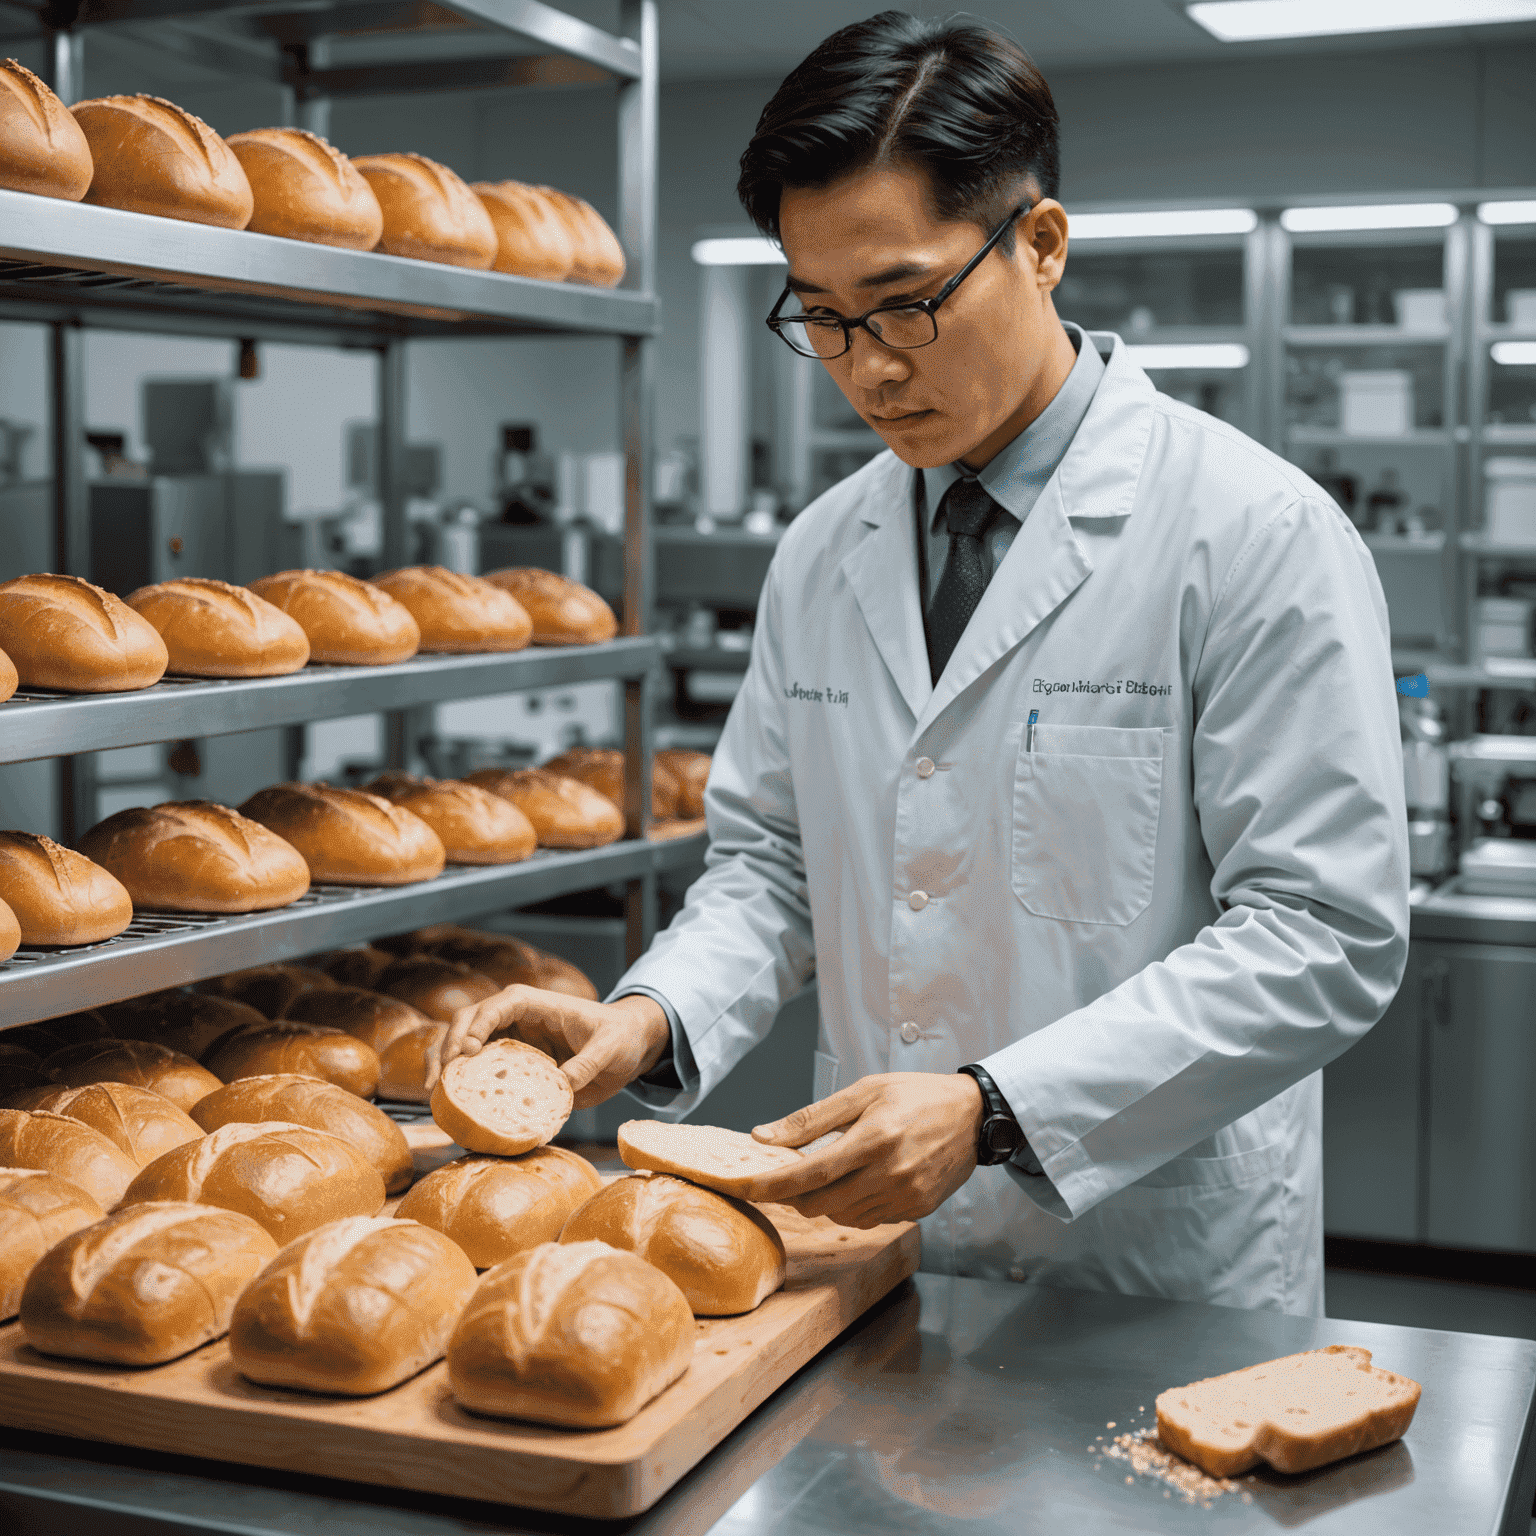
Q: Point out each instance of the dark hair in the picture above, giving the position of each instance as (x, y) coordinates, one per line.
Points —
(953, 97)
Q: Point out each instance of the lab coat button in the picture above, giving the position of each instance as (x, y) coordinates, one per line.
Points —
(909, 1032)
(918, 900)
(925, 767)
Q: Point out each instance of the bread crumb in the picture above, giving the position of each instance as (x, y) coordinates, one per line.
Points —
(1148, 1457)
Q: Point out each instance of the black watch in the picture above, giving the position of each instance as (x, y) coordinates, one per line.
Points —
(1001, 1135)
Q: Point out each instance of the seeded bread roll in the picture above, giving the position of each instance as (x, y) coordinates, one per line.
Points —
(267, 988)
(311, 1050)
(691, 770)
(599, 256)
(303, 188)
(42, 149)
(493, 1207)
(564, 812)
(213, 629)
(475, 827)
(195, 856)
(436, 988)
(140, 1121)
(508, 1099)
(603, 769)
(65, 1147)
(144, 1285)
(348, 836)
(63, 633)
(563, 611)
(509, 962)
(354, 1308)
(348, 622)
(139, 1063)
(532, 239)
(428, 212)
(152, 156)
(458, 614)
(188, 1022)
(727, 1161)
(37, 1210)
(59, 896)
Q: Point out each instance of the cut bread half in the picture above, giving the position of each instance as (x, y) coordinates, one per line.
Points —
(729, 1161)
(1296, 1413)
(508, 1099)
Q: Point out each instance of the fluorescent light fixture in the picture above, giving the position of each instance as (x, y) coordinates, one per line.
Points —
(1370, 216)
(1252, 21)
(1515, 354)
(1172, 221)
(1204, 354)
(1507, 213)
(738, 251)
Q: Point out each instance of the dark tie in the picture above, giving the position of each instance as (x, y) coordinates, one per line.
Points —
(968, 512)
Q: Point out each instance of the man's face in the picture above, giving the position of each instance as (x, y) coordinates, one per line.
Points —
(872, 239)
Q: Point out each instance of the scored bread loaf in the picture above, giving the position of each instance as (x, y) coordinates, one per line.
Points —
(493, 1207)
(511, 962)
(728, 1161)
(140, 1121)
(428, 211)
(311, 1050)
(303, 188)
(435, 988)
(267, 988)
(580, 1335)
(691, 770)
(506, 1099)
(289, 1178)
(65, 1147)
(188, 1022)
(563, 611)
(353, 1308)
(402, 1037)
(213, 629)
(139, 1063)
(532, 240)
(59, 896)
(603, 769)
(348, 621)
(458, 614)
(475, 826)
(144, 1285)
(349, 836)
(63, 633)
(564, 812)
(37, 1210)
(359, 967)
(42, 149)
(195, 856)
(599, 256)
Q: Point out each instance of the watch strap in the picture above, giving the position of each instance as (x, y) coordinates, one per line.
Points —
(997, 1113)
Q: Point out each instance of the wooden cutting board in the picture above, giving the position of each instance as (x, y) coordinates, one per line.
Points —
(416, 1436)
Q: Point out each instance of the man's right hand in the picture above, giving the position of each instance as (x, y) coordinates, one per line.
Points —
(601, 1047)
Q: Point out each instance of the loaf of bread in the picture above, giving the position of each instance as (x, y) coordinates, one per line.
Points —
(37, 1210)
(289, 1178)
(359, 967)
(20, 1072)
(140, 1121)
(349, 837)
(510, 962)
(54, 1034)
(213, 629)
(144, 1285)
(311, 1050)
(267, 988)
(456, 614)
(429, 213)
(507, 1099)
(139, 1063)
(404, 1061)
(493, 1207)
(63, 633)
(564, 812)
(370, 1016)
(728, 1161)
(580, 1335)
(195, 856)
(9, 681)
(65, 1147)
(188, 1022)
(603, 769)
(348, 622)
(42, 149)
(59, 896)
(435, 988)
(475, 826)
(353, 1308)
(303, 188)
(532, 239)
(10, 932)
(151, 156)
(1296, 1413)
(691, 770)
(563, 611)
(599, 256)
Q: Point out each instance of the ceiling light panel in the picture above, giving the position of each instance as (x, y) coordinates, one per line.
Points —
(1369, 216)
(1507, 213)
(1173, 221)
(1191, 355)
(1253, 21)
(738, 251)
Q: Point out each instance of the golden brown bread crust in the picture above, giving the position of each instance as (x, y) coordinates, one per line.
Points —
(599, 256)
(37, 1210)
(436, 988)
(188, 1022)
(63, 633)
(428, 211)
(300, 1323)
(691, 770)
(511, 962)
(493, 1207)
(457, 614)
(213, 629)
(311, 1050)
(303, 188)
(507, 1099)
(564, 812)
(359, 967)
(267, 988)
(603, 769)
(69, 1149)
(9, 681)
(140, 1063)
(42, 149)
(195, 856)
(532, 240)
(59, 896)
(144, 1285)
(139, 1120)
(349, 622)
(403, 1063)
(563, 611)
(10, 932)
(475, 827)
(369, 1016)
(581, 1336)
(349, 836)
(322, 1106)
(152, 156)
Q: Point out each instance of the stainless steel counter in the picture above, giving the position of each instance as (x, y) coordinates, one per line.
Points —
(954, 1405)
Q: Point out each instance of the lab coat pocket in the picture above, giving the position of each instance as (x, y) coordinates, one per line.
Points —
(1085, 807)
(824, 1077)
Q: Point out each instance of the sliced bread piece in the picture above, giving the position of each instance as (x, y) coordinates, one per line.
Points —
(728, 1161)
(1296, 1413)
(508, 1100)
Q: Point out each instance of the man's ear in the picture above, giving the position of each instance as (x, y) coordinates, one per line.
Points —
(1044, 230)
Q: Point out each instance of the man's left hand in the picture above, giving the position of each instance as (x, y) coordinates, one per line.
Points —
(909, 1143)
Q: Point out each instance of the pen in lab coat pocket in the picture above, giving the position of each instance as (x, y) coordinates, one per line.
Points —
(1029, 739)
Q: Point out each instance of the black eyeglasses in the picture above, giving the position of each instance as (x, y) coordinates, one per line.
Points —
(893, 325)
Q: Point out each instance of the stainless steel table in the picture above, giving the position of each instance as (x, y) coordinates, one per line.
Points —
(956, 1405)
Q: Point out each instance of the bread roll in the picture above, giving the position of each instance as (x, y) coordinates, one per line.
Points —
(436, 988)
(509, 962)
(267, 988)
(59, 896)
(563, 611)
(348, 622)
(9, 681)
(20, 1072)
(599, 256)
(304, 189)
(603, 769)
(580, 1335)
(195, 856)
(507, 1099)
(53, 1035)
(69, 1149)
(139, 1063)
(213, 629)
(142, 1286)
(188, 1022)
(359, 967)
(369, 1016)
(140, 1121)
(428, 212)
(564, 812)
(457, 614)
(532, 239)
(349, 837)
(288, 1178)
(42, 149)
(493, 1207)
(403, 1063)
(312, 1050)
(322, 1107)
(691, 770)
(728, 1161)
(62, 633)
(37, 1210)
(724, 1254)
(475, 827)
(10, 933)
(353, 1308)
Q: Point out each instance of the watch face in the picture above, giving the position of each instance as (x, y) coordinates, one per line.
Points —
(1001, 1134)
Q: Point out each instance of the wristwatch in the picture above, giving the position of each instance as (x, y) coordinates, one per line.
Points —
(1001, 1135)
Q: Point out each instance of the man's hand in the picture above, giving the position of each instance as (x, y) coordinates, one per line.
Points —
(909, 1144)
(601, 1047)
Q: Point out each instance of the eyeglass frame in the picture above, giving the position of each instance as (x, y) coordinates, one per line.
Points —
(929, 307)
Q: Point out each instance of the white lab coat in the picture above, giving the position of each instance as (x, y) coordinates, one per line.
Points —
(1154, 923)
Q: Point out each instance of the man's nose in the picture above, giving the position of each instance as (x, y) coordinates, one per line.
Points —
(873, 364)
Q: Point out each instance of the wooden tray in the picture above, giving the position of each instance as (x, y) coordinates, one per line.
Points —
(416, 1436)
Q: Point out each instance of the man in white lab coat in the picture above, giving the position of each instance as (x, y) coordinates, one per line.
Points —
(1067, 760)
